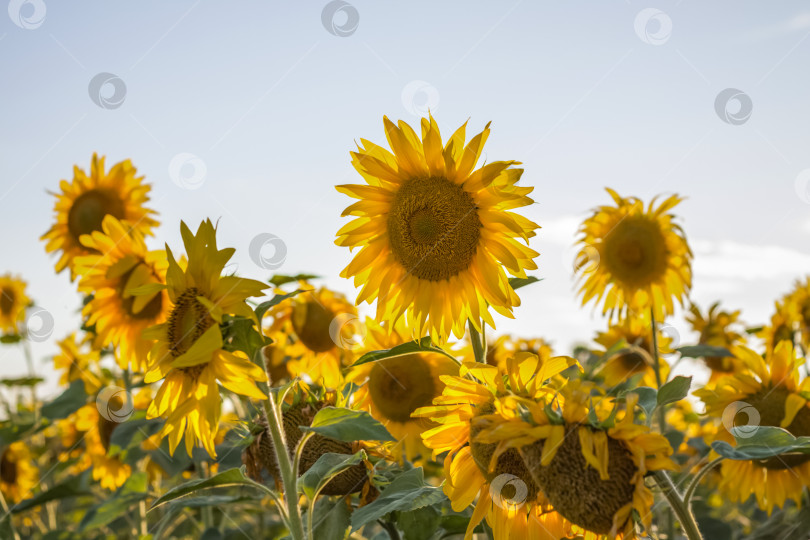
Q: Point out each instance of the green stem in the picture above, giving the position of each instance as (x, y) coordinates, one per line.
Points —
(29, 359)
(478, 342)
(690, 490)
(7, 515)
(662, 418)
(682, 511)
(390, 528)
(289, 477)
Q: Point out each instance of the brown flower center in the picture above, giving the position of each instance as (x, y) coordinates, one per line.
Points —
(400, 385)
(8, 469)
(188, 321)
(7, 299)
(88, 211)
(575, 489)
(152, 308)
(433, 228)
(635, 251)
(311, 322)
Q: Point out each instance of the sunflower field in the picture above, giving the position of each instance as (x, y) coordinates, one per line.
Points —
(198, 403)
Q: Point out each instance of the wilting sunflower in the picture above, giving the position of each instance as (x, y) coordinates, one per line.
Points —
(634, 258)
(435, 233)
(505, 347)
(590, 471)
(18, 474)
(769, 389)
(506, 493)
(77, 362)
(319, 325)
(13, 302)
(393, 388)
(82, 204)
(118, 264)
(188, 353)
(637, 357)
(717, 330)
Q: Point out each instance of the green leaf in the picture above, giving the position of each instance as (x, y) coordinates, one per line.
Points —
(133, 432)
(328, 466)
(674, 390)
(70, 401)
(348, 425)
(14, 432)
(517, 283)
(330, 520)
(262, 308)
(406, 492)
(232, 477)
(209, 500)
(419, 524)
(240, 334)
(74, 486)
(21, 381)
(10, 339)
(411, 347)
(714, 528)
(647, 398)
(280, 279)
(125, 497)
(700, 351)
(761, 442)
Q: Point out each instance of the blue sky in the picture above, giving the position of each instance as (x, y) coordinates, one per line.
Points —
(586, 95)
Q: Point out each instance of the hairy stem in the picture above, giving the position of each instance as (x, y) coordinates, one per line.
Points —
(682, 511)
(289, 477)
(479, 343)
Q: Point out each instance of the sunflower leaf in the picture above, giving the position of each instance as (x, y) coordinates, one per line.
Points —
(327, 467)
(348, 425)
(701, 351)
(9, 339)
(133, 491)
(405, 493)
(330, 520)
(761, 442)
(21, 381)
(70, 401)
(280, 279)
(517, 283)
(262, 308)
(674, 390)
(231, 477)
(411, 347)
(75, 486)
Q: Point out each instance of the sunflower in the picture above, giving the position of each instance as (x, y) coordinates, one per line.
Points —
(767, 393)
(589, 460)
(82, 204)
(119, 263)
(637, 259)
(798, 302)
(188, 353)
(18, 474)
(781, 327)
(637, 357)
(393, 388)
(13, 302)
(77, 363)
(318, 325)
(436, 233)
(505, 347)
(518, 511)
(716, 329)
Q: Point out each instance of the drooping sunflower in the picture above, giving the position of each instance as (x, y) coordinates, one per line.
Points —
(505, 347)
(319, 325)
(13, 302)
(768, 392)
(393, 388)
(471, 470)
(188, 353)
(77, 362)
(18, 474)
(118, 264)
(435, 232)
(591, 472)
(637, 357)
(717, 330)
(637, 259)
(82, 204)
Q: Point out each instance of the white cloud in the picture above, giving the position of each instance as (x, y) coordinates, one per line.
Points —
(747, 262)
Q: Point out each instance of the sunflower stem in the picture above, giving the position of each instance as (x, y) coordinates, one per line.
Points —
(478, 342)
(662, 419)
(676, 502)
(693, 485)
(7, 515)
(289, 477)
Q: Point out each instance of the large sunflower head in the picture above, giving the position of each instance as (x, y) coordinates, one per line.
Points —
(637, 356)
(82, 204)
(640, 257)
(13, 302)
(768, 392)
(318, 329)
(393, 388)
(18, 473)
(118, 265)
(716, 329)
(589, 460)
(435, 232)
(472, 470)
(188, 353)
